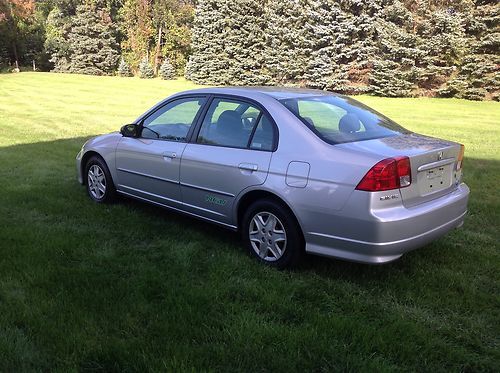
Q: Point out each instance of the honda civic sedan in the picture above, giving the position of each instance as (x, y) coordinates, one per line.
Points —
(294, 170)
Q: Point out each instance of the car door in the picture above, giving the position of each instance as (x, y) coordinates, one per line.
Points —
(231, 152)
(148, 166)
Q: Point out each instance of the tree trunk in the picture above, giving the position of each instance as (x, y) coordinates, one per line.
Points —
(157, 54)
(14, 52)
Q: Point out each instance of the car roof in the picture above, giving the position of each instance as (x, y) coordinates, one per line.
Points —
(274, 92)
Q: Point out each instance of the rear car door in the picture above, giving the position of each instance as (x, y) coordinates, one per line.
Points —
(232, 151)
(148, 166)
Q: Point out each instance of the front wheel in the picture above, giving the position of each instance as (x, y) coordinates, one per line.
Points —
(100, 187)
(272, 234)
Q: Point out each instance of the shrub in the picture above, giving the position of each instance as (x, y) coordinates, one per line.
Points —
(145, 69)
(167, 71)
(124, 69)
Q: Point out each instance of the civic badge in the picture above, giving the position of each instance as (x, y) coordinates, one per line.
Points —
(440, 156)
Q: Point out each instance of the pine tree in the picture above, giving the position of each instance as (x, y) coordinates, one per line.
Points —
(228, 41)
(93, 48)
(167, 71)
(56, 42)
(384, 47)
(145, 69)
(124, 69)
(286, 51)
(478, 75)
(395, 71)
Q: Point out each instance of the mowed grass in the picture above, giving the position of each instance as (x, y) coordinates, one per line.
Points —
(131, 287)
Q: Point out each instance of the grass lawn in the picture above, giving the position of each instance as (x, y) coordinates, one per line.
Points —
(133, 287)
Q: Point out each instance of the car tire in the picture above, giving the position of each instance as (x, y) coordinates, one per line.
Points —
(272, 234)
(100, 186)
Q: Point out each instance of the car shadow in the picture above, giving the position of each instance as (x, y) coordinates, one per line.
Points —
(31, 171)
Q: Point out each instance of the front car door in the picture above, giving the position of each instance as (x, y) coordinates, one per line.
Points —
(148, 166)
(231, 152)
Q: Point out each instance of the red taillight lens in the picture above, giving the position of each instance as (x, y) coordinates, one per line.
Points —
(390, 173)
(460, 157)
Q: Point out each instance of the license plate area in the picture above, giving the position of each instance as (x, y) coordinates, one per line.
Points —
(435, 179)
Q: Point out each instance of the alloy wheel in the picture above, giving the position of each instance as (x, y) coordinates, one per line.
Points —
(96, 181)
(267, 236)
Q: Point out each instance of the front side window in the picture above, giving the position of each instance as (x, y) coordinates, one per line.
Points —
(236, 124)
(341, 119)
(172, 121)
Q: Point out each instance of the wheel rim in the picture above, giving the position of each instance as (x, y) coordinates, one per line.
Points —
(267, 236)
(96, 181)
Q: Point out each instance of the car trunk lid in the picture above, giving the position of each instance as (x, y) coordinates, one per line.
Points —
(433, 163)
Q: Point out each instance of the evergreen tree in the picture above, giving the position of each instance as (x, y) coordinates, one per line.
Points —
(341, 44)
(385, 47)
(286, 51)
(93, 48)
(56, 42)
(124, 69)
(208, 61)
(167, 71)
(145, 69)
(478, 76)
(228, 41)
(395, 70)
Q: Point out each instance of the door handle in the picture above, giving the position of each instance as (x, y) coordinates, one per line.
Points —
(170, 155)
(248, 167)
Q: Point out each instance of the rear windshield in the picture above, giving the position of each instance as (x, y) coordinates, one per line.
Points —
(341, 119)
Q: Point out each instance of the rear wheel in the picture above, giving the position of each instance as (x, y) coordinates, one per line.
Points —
(272, 234)
(100, 187)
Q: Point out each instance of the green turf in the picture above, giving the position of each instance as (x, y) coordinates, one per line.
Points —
(133, 287)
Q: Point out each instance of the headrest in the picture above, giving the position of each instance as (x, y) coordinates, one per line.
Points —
(266, 124)
(349, 123)
(229, 121)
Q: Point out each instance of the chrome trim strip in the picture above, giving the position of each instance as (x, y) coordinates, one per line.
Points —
(202, 209)
(387, 243)
(148, 175)
(150, 194)
(207, 189)
(170, 200)
(432, 165)
(234, 227)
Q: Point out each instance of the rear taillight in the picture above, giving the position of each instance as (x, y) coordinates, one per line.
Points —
(460, 157)
(390, 173)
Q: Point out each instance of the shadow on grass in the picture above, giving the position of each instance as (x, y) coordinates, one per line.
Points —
(48, 169)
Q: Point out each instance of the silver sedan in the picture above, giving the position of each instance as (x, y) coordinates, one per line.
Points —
(293, 170)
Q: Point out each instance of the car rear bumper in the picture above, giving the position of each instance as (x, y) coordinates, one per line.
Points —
(387, 235)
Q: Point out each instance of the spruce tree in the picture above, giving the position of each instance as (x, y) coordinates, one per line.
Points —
(478, 75)
(395, 71)
(124, 69)
(286, 51)
(337, 44)
(228, 43)
(208, 62)
(145, 69)
(93, 47)
(442, 39)
(167, 71)
(384, 47)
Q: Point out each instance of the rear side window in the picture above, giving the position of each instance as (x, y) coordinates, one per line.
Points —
(341, 119)
(236, 124)
(263, 138)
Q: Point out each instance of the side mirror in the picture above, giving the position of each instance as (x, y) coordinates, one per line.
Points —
(130, 130)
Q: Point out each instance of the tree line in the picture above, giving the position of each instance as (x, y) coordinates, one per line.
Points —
(447, 48)
(96, 36)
